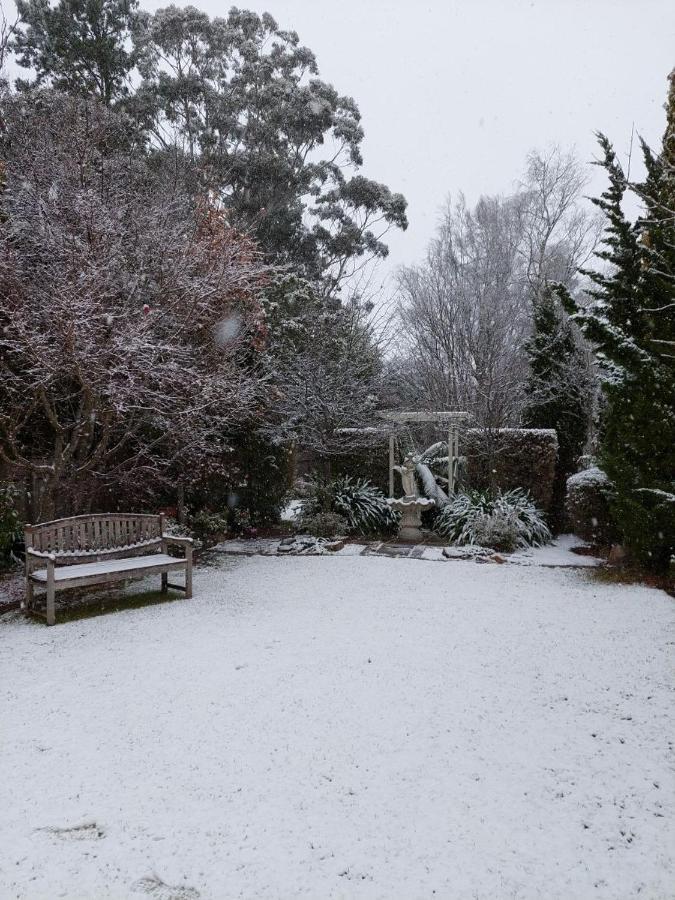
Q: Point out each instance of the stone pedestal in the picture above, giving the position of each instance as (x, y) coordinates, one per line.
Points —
(411, 509)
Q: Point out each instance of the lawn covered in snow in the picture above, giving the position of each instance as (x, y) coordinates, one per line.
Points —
(345, 727)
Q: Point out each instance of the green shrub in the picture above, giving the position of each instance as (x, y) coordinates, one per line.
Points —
(10, 526)
(363, 507)
(369, 463)
(208, 527)
(504, 521)
(251, 481)
(323, 524)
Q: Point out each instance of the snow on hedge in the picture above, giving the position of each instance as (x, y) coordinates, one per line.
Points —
(593, 476)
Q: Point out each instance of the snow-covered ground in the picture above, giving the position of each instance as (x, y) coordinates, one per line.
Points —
(345, 727)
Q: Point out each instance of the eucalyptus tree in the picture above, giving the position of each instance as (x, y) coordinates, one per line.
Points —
(241, 99)
(281, 147)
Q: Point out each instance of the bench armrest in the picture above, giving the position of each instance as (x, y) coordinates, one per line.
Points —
(175, 539)
(39, 554)
(35, 557)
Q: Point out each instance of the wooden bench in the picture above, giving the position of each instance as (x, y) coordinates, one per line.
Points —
(99, 549)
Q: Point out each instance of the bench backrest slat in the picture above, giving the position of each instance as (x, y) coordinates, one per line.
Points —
(95, 534)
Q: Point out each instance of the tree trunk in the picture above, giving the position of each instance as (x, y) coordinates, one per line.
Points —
(180, 504)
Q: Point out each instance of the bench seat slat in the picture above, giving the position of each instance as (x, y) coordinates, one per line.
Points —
(110, 567)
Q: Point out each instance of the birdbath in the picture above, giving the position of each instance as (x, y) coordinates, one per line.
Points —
(411, 506)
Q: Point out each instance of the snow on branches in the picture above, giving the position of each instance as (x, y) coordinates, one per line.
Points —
(130, 324)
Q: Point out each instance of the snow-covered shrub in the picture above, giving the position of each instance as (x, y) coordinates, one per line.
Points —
(241, 521)
(363, 505)
(323, 524)
(498, 530)
(209, 527)
(587, 502)
(174, 527)
(505, 521)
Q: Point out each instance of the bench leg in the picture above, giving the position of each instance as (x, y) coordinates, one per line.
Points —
(165, 582)
(28, 605)
(51, 615)
(188, 572)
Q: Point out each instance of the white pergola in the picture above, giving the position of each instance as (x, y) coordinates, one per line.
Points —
(446, 419)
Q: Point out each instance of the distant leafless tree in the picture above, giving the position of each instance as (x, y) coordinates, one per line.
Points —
(465, 313)
(559, 235)
(465, 310)
(7, 30)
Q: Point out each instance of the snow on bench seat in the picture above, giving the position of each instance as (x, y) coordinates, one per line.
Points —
(110, 567)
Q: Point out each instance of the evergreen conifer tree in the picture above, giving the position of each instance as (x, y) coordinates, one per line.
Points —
(77, 46)
(559, 389)
(631, 322)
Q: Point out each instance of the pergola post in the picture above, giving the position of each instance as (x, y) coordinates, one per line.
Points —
(392, 462)
(457, 446)
(453, 457)
(451, 467)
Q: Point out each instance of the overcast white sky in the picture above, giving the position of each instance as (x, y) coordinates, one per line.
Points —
(454, 93)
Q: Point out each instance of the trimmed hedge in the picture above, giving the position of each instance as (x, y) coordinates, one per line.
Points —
(508, 458)
(498, 459)
(587, 502)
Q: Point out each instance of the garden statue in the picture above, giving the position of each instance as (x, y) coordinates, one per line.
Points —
(407, 473)
(411, 505)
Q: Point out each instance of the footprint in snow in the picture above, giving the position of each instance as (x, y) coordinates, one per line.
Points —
(87, 831)
(159, 890)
